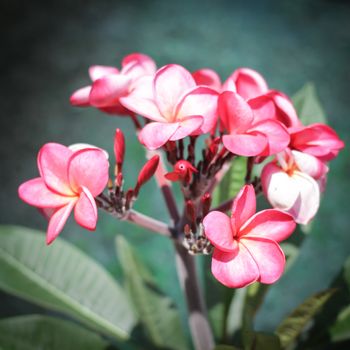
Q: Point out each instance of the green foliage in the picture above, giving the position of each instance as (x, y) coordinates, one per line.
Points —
(232, 181)
(294, 324)
(62, 278)
(261, 341)
(308, 105)
(36, 332)
(225, 347)
(157, 312)
(340, 331)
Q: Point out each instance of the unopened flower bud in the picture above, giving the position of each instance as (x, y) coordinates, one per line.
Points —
(119, 148)
(183, 171)
(206, 203)
(190, 211)
(146, 173)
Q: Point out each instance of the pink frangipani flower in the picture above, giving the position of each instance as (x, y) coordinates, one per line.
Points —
(246, 244)
(319, 140)
(109, 84)
(249, 135)
(175, 104)
(293, 184)
(68, 180)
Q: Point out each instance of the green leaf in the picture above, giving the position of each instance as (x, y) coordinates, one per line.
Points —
(225, 347)
(308, 105)
(232, 181)
(294, 324)
(157, 312)
(347, 272)
(261, 341)
(340, 331)
(35, 332)
(62, 278)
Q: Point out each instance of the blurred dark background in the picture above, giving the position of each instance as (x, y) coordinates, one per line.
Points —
(47, 47)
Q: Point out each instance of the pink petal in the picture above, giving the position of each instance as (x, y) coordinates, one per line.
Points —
(187, 126)
(107, 90)
(88, 168)
(247, 145)
(271, 223)
(217, 228)
(201, 101)
(276, 133)
(268, 256)
(235, 269)
(81, 97)
(310, 165)
(318, 140)
(279, 188)
(155, 135)
(243, 207)
(308, 201)
(53, 165)
(235, 114)
(249, 83)
(97, 72)
(85, 211)
(170, 83)
(136, 65)
(36, 193)
(263, 108)
(207, 77)
(140, 100)
(57, 221)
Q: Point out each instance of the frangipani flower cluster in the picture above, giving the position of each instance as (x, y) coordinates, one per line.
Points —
(171, 108)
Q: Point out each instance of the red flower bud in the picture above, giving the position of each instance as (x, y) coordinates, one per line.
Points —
(119, 148)
(206, 203)
(146, 173)
(183, 171)
(190, 211)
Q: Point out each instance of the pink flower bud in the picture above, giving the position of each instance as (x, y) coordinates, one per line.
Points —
(119, 148)
(183, 171)
(206, 203)
(146, 173)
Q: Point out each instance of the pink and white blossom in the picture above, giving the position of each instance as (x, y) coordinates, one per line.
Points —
(246, 243)
(109, 84)
(174, 103)
(294, 183)
(68, 180)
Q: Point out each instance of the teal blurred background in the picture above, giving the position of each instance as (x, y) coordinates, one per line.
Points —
(47, 48)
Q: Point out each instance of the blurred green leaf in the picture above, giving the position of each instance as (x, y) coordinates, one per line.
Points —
(156, 311)
(347, 272)
(62, 278)
(225, 347)
(308, 105)
(340, 331)
(261, 341)
(232, 181)
(36, 332)
(294, 324)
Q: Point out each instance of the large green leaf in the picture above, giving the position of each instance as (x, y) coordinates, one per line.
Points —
(261, 341)
(157, 313)
(36, 332)
(308, 105)
(225, 347)
(62, 278)
(294, 324)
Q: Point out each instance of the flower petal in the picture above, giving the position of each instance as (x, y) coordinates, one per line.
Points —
(249, 83)
(85, 211)
(235, 113)
(201, 101)
(155, 135)
(107, 90)
(88, 168)
(247, 145)
(187, 126)
(137, 64)
(53, 164)
(235, 269)
(97, 72)
(57, 221)
(268, 256)
(270, 223)
(217, 228)
(310, 165)
(276, 133)
(243, 207)
(170, 83)
(207, 77)
(36, 193)
(263, 108)
(81, 97)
